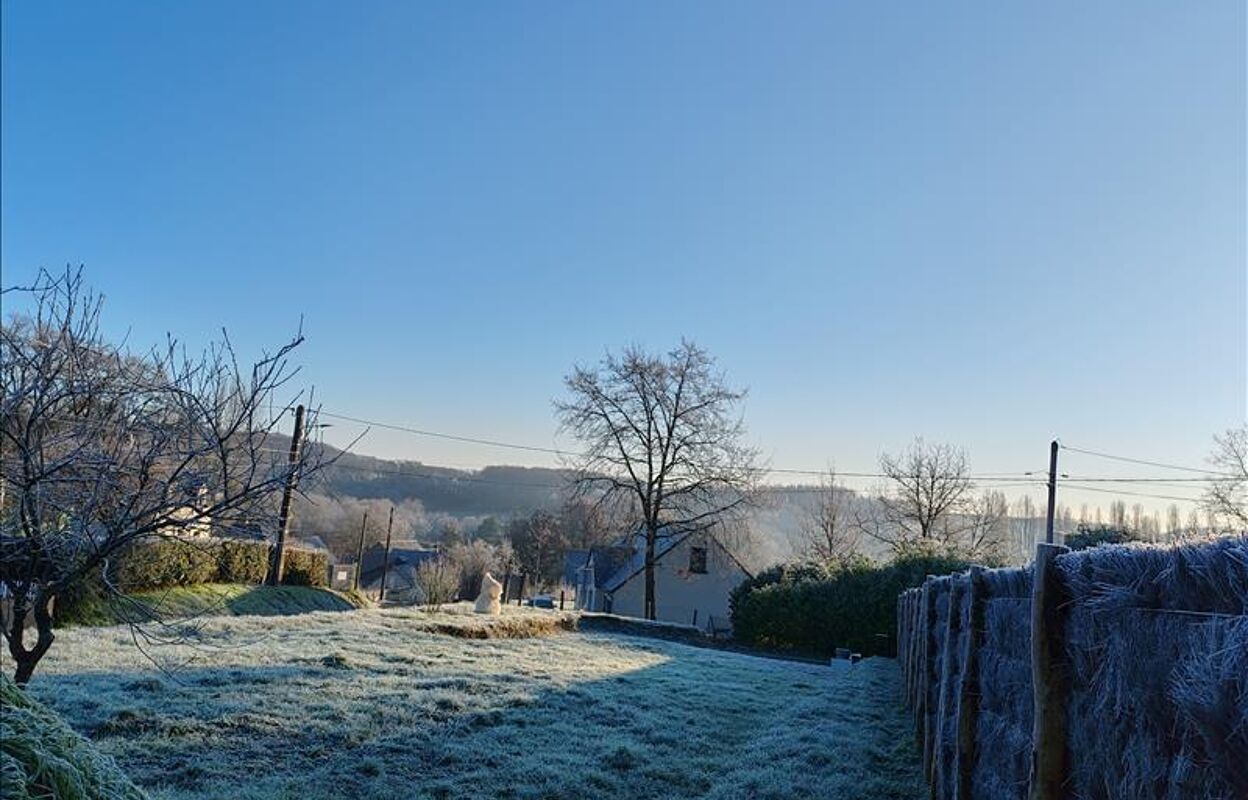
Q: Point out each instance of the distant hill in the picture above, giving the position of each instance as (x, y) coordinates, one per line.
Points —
(494, 490)
(502, 491)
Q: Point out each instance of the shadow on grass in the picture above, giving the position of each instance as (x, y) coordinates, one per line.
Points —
(267, 601)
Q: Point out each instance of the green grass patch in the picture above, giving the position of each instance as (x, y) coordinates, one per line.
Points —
(212, 599)
(41, 757)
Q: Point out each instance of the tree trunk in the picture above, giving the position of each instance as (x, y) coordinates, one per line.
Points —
(26, 660)
(652, 534)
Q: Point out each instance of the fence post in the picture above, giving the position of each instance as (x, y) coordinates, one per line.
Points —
(925, 672)
(946, 694)
(910, 648)
(916, 605)
(1048, 676)
(901, 640)
(561, 599)
(968, 692)
(931, 719)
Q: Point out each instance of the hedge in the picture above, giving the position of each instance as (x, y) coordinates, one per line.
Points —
(306, 568)
(810, 611)
(164, 563)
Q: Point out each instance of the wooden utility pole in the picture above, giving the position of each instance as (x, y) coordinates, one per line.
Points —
(359, 552)
(385, 564)
(1048, 528)
(1049, 678)
(283, 521)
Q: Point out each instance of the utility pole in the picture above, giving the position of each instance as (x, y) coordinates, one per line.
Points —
(283, 520)
(1048, 528)
(385, 565)
(359, 553)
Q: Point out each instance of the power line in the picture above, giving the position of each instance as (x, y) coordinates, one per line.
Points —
(1141, 461)
(1173, 481)
(988, 476)
(470, 479)
(450, 436)
(1132, 494)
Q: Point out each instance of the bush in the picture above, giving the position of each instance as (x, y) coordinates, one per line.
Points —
(1086, 536)
(306, 568)
(165, 563)
(242, 562)
(162, 563)
(813, 611)
(438, 579)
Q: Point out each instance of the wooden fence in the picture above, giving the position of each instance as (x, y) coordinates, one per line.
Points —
(1100, 674)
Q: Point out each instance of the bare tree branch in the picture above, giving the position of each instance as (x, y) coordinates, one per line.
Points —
(662, 435)
(101, 449)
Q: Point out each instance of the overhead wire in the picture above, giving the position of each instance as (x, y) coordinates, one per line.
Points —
(995, 479)
(1131, 460)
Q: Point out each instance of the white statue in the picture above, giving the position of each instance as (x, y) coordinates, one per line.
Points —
(487, 601)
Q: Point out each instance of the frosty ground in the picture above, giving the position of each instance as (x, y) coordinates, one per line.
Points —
(376, 703)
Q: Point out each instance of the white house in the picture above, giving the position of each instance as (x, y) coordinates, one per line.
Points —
(693, 576)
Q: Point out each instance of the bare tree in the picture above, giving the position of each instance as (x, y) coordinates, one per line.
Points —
(985, 526)
(103, 449)
(439, 580)
(1174, 523)
(472, 560)
(829, 535)
(537, 544)
(1226, 499)
(665, 434)
(1028, 525)
(927, 500)
(1118, 515)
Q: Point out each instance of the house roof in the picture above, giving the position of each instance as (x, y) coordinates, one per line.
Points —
(573, 562)
(402, 554)
(611, 561)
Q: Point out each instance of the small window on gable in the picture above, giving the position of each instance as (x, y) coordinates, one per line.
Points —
(697, 560)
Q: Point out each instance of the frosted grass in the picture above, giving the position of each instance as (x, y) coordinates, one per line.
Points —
(375, 704)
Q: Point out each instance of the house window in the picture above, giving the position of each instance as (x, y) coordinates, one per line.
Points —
(697, 560)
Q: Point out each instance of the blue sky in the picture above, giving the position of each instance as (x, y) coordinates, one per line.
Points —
(986, 223)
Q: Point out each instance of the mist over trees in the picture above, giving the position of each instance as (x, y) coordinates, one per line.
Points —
(930, 497)
(337, 520)
(929, 500)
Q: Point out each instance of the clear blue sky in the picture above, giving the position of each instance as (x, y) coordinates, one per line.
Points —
(988, 223)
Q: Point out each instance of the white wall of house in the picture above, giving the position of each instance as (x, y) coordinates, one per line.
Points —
(678, 592)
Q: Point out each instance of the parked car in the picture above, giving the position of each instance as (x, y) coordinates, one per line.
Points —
(541, 601)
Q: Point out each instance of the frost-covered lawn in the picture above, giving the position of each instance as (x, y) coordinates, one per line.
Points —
(366, 704)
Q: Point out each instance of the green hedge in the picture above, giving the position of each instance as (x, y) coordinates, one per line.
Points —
(242, 562)
(306, 568)
(164, 563)
(810, 611)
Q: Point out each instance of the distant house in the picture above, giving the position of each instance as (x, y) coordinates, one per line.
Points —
(313, 543)
(401, 583)
(693, 576)
(189, 521)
